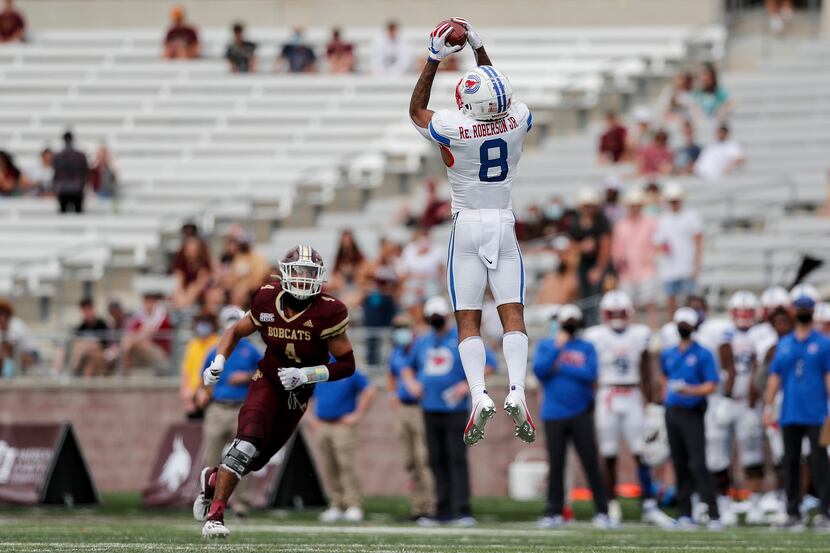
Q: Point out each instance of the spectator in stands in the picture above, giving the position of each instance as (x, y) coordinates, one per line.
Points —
(712, 100)
(338, 408)
(241, 53)
(437, 209)
(676, 99)
(656, 158)
(148, 336)
(42, 174)
(71, 176)
(566, 366)
(193, 363)
(643, 133)
(226, 398)
(633, 255)
(349, 260)
(611, 204)
(591, 235)
(679, 240)
(379, 309)
(192, 269)
(296, 56)
(561, 285)
(720, 158)
(612, 142)
(12, 24)
(423, 268)
(558, 217)
(12, 181)
(390, 51)
(18, 349)
(118, 318)
(405, 394)
(340, 54)
(245, 269)
(686, 155)
(779, 12)
(102, 174)
(654, 199)
(532, 225)
(91, 341)
(182, 39)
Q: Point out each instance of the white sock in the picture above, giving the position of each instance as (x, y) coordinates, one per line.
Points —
(473, 358)
(514, 345)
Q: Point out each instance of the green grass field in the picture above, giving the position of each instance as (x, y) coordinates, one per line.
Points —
(120, 525)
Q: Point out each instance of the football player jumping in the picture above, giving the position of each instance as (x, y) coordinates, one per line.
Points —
(303, 330)
(481, 144)
(624, 383)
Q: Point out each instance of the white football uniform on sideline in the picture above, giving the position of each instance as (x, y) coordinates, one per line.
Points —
(733, 418)
(483, 160)
(619, 404)
(764, 337)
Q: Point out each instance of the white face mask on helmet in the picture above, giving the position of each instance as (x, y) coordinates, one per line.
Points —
(302, 272)
(484, 93)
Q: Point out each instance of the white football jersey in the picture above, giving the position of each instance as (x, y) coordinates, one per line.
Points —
(743, 355)
(619, 353)
(484, 155)
(764, 337)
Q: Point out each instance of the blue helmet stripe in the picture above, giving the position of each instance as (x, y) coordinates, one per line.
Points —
(497, 84)
(500, 89)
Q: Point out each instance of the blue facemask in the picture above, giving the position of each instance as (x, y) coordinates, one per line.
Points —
(203, 329)
(553, 212)
(402, 336)
(554, 327)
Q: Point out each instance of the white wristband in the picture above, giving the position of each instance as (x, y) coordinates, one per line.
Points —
(219, 360)
(320, 373)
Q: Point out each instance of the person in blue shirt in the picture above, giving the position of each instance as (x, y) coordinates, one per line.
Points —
(566, 366)
(410, 421)
(801, 370)
(689, 374)
(227, 396)
(338, 407)
(442, 386)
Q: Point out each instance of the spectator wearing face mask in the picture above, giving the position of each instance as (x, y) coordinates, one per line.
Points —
(566, 366)
(296, 55)
(204, 338)
(405, 395)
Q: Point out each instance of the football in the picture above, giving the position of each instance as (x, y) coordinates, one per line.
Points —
(458, 36)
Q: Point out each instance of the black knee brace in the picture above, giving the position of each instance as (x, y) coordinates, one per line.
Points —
(239, 457)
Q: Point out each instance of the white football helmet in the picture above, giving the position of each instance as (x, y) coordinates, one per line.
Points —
(772, 298)
(655, 437)
(302, 272)
(804, 290)
(743, 308)
(616, 308)
(484, 93)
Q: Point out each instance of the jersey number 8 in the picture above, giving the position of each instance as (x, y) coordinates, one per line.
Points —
(488, 163)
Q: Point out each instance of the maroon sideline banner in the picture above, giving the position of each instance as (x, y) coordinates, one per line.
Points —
(42, 463)
(290, 478)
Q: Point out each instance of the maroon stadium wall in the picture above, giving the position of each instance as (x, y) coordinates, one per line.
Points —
(119, 430)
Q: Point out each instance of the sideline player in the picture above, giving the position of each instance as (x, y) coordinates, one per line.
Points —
(481, 144)
(302, 330)
(624, 382)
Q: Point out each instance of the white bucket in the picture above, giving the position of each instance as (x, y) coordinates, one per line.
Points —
(527, 479)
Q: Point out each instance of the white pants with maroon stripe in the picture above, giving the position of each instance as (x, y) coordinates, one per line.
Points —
(619, 415)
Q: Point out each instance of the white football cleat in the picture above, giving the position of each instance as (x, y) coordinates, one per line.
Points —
(653, 515)
(483, 410)
(215, 529)
(516, 408)
(201, 505)
(353, 514)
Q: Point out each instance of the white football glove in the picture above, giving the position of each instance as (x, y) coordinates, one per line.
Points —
(473, 39)
(211, 374)
(292, 377)
(438, 47)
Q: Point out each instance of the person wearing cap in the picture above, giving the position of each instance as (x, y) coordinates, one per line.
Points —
(405, 395)
(801, 370)
(688, 375)
(633, 255)
(679, 239)
(181, 40)
(436, 363)
(222, 401)
(591, 233)
(567, 369)
(193, 363)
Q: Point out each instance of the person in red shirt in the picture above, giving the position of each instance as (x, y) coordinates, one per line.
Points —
(340, 54)
(656, 158)
(148, 337)
(182, 40)
(12, 24)
(612, 141)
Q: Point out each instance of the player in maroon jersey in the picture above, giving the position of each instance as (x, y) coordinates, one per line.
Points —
(302, 329)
